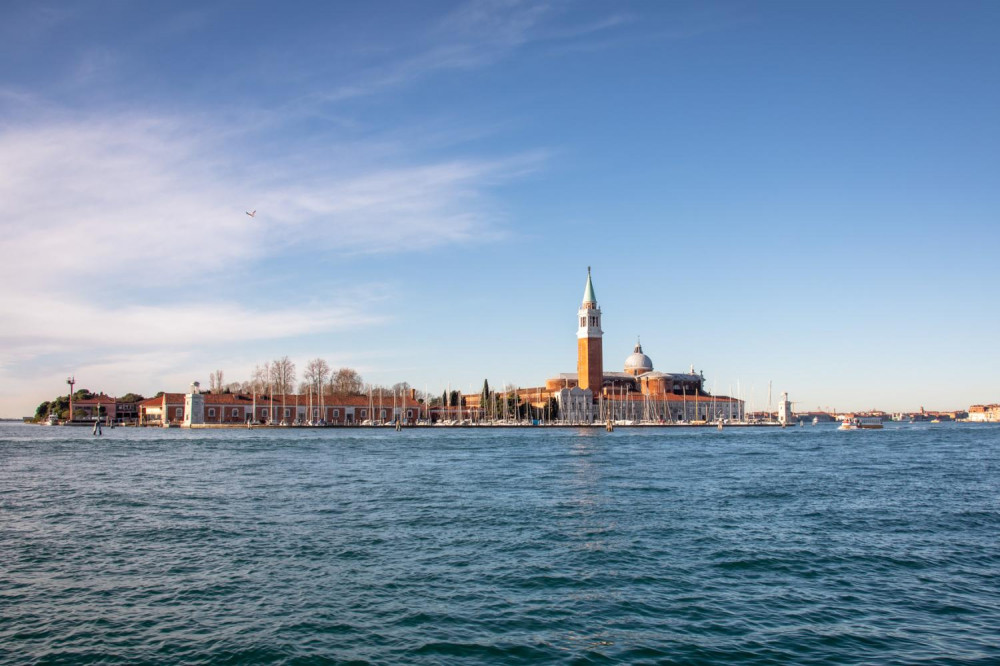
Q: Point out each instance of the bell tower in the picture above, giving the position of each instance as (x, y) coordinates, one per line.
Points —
(589, 358)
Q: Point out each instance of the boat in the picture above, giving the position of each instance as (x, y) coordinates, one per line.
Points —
(861, 423)
(53, 419)
(815, 420)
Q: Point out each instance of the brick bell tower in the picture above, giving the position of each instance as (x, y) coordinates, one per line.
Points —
(589, 358)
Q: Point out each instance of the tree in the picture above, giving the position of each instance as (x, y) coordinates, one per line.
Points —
(216, 382)
(347, 382)
(283, 375)
(315, 374)
(42, 411)
(258, 380)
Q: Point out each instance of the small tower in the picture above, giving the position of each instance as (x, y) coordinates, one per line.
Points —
(590, 357)
(194, 406)
(784, 410)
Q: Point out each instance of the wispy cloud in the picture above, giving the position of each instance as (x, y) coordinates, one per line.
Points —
(44, 322)
(160, 199)
(476, 34)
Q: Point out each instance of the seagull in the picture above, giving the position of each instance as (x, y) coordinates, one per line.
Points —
(253, 214)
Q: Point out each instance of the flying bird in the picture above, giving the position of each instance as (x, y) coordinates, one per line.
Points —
(253, 214)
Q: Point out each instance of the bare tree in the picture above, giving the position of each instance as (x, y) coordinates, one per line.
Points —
(283, 376)
(347, 382)
(316, 373)
(216, 382)
(258, 380)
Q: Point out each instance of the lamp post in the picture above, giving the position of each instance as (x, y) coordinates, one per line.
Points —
(71, 381)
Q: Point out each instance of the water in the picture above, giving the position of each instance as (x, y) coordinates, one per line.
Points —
(441, 546)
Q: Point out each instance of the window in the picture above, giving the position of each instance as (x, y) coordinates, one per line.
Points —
(362, 413)
(583, 322)
(336, 413)
(288, 412)
(211, 411)
(263, 412)
(236, 412)
(409, 413)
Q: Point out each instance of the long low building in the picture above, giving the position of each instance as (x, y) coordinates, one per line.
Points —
(236, 408)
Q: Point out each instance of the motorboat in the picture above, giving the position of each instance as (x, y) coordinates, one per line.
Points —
(861, 423)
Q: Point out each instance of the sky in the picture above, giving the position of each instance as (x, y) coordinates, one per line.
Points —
(795, 195)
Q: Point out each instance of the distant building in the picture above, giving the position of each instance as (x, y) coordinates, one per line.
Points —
(235, 408)
(984, 413)
(638, 392)
(98, 405)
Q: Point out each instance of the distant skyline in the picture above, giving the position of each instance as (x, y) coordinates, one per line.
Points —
(796, 193)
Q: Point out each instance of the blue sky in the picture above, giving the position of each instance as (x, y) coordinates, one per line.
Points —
(796, 193)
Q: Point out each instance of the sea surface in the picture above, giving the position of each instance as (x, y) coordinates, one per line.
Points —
(462, 546)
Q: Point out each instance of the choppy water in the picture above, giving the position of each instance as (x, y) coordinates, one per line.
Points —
(463, 546)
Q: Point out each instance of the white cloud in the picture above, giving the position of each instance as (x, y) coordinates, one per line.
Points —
(161, 200)
(136, 347)
(54, 324)
(97, 202)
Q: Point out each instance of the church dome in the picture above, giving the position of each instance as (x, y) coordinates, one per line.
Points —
(638, 363)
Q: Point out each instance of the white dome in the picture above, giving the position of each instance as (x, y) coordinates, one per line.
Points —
(638, 361)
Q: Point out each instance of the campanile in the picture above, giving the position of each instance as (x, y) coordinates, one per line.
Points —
(589, 358)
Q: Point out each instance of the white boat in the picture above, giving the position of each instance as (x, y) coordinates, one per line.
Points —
(52, 419)
(861, 423)
(815, 420)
